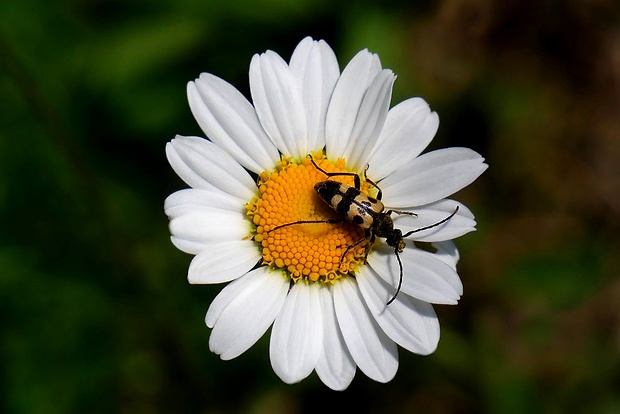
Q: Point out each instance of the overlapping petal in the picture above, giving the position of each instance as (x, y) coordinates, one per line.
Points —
(188, 246)
(279, 104)
(206, 216)
(370, 119)
(346, 100)
(210, 225)
(425, 277)
(409, 322)
(315, 68)
(409, 128)
(192, 200)
(335, 367)
(372, 350)
(230, 121)
(447, 252)
(244, 310)
(432, 177)
(202, 164)
(297, 334)
(223, 262)
(429, 215)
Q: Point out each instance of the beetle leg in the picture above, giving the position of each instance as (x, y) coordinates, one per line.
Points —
(409, 213)
(368, 236)
(369, 181)
(356, 177)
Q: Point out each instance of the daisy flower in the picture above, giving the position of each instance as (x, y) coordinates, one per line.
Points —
(323, 290)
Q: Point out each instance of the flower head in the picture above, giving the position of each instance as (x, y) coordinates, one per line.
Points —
(299, 260)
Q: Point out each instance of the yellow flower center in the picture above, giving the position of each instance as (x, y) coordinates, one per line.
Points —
(305, 251)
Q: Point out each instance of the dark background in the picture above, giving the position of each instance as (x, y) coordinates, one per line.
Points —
(96, 313)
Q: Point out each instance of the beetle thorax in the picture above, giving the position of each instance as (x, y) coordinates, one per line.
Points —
(383, 226)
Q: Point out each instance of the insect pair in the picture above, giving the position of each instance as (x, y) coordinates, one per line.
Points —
(365, 211)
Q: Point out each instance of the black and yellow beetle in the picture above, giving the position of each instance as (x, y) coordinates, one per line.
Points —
(365, 211)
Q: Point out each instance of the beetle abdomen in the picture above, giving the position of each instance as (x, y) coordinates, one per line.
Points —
(350, 202)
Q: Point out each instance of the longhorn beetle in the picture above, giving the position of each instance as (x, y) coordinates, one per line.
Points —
(365, 211)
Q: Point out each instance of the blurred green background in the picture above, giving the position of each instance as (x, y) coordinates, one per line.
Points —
(96, 313)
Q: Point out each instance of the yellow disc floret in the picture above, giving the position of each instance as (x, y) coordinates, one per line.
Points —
(307, 251)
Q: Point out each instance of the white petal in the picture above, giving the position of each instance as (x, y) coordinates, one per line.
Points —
(427, 264)
(188, 246)
(207, 206)
(346, 101)
(461, 223)
(202, 164)
(278, 103)
(229, 120)
(372, 350)
(425, 277)
(409, 128)
(192, 200)
(210, 225)
(315, 67)
(336, 367)
(407, 321)
(447, 252)
(431, 177)
(244, 310)
(223, 262)
(232, 291)
(370, 119)
(297, 334)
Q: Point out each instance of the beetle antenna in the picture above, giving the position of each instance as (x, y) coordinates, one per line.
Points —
(434, 224)
(330, 221)
(400, 280)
